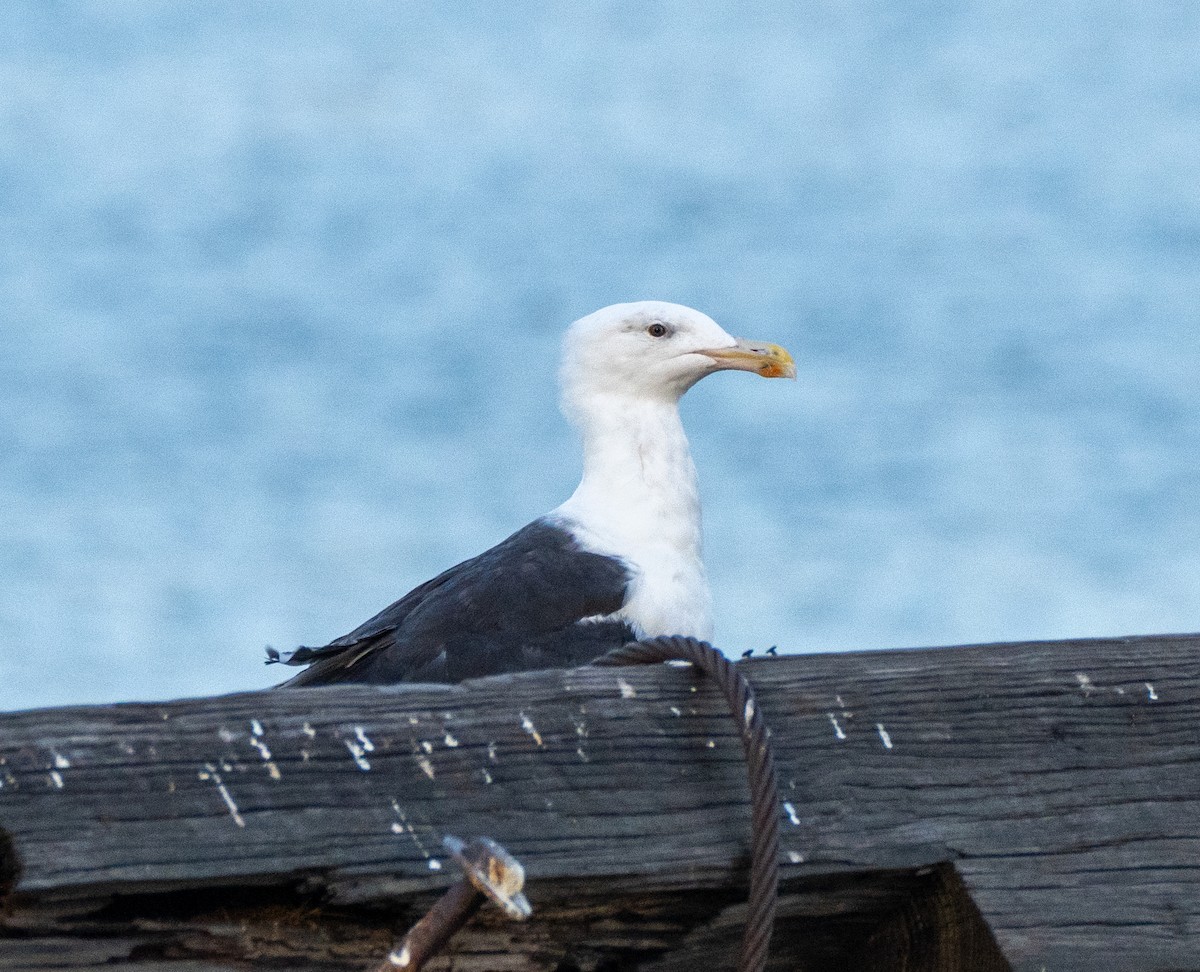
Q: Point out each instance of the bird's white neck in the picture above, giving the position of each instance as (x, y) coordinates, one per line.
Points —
(639, 500)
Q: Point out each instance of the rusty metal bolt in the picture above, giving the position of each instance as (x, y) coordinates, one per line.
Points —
(493, 871)
(489, 873)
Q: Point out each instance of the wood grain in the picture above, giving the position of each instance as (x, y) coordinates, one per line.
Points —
(1060, 779)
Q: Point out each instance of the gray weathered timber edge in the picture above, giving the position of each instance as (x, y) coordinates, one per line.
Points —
(1061, 778)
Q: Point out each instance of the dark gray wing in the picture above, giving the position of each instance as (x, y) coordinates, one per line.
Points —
(519, 605)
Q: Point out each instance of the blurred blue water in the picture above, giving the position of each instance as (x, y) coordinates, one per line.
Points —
(281, 287)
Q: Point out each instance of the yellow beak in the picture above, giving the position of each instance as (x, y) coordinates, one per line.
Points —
(768, 360)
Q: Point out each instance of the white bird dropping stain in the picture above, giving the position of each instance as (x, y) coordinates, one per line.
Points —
(360, 756)
(837, 726)
(492, 757)
(1150, 693)
(795, 857)
(309, 731)
(627, 690)
(56, 779)
(1085, 683)
(404, 826)
(60, 761)
(487, 777)
(265, 753)
(210, 773)
(748, 714)
(529, 727)
(401, 959)
(361, 735)
(790, 810)
(421, 753)
(256, 727)
(450, 741)
(884, 737)
(676, 711)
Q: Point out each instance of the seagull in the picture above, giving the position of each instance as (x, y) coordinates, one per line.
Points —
(618, 561)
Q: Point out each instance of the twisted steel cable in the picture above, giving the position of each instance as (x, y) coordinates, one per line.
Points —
(764, 786)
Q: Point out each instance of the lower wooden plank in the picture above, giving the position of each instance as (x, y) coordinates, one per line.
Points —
(821, 926)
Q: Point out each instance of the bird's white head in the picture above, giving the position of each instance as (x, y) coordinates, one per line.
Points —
(653, 350)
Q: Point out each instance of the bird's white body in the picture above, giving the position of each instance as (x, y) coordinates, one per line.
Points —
(639, 501)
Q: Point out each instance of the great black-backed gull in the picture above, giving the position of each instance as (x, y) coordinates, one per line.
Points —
(619, 560)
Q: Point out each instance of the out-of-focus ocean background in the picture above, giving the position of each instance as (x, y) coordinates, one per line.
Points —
(282, 285)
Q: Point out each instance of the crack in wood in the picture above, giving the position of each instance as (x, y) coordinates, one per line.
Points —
(10, 866)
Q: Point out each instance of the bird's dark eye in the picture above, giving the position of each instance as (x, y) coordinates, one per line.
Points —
(657, 330)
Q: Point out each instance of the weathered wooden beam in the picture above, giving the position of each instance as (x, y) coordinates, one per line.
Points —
(1061, 780)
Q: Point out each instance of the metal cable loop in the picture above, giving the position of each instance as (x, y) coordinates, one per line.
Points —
(764, 787)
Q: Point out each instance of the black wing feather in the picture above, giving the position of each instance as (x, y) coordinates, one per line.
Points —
(516, 606)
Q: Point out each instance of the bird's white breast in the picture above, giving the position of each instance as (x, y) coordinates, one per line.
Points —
(639, 501)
